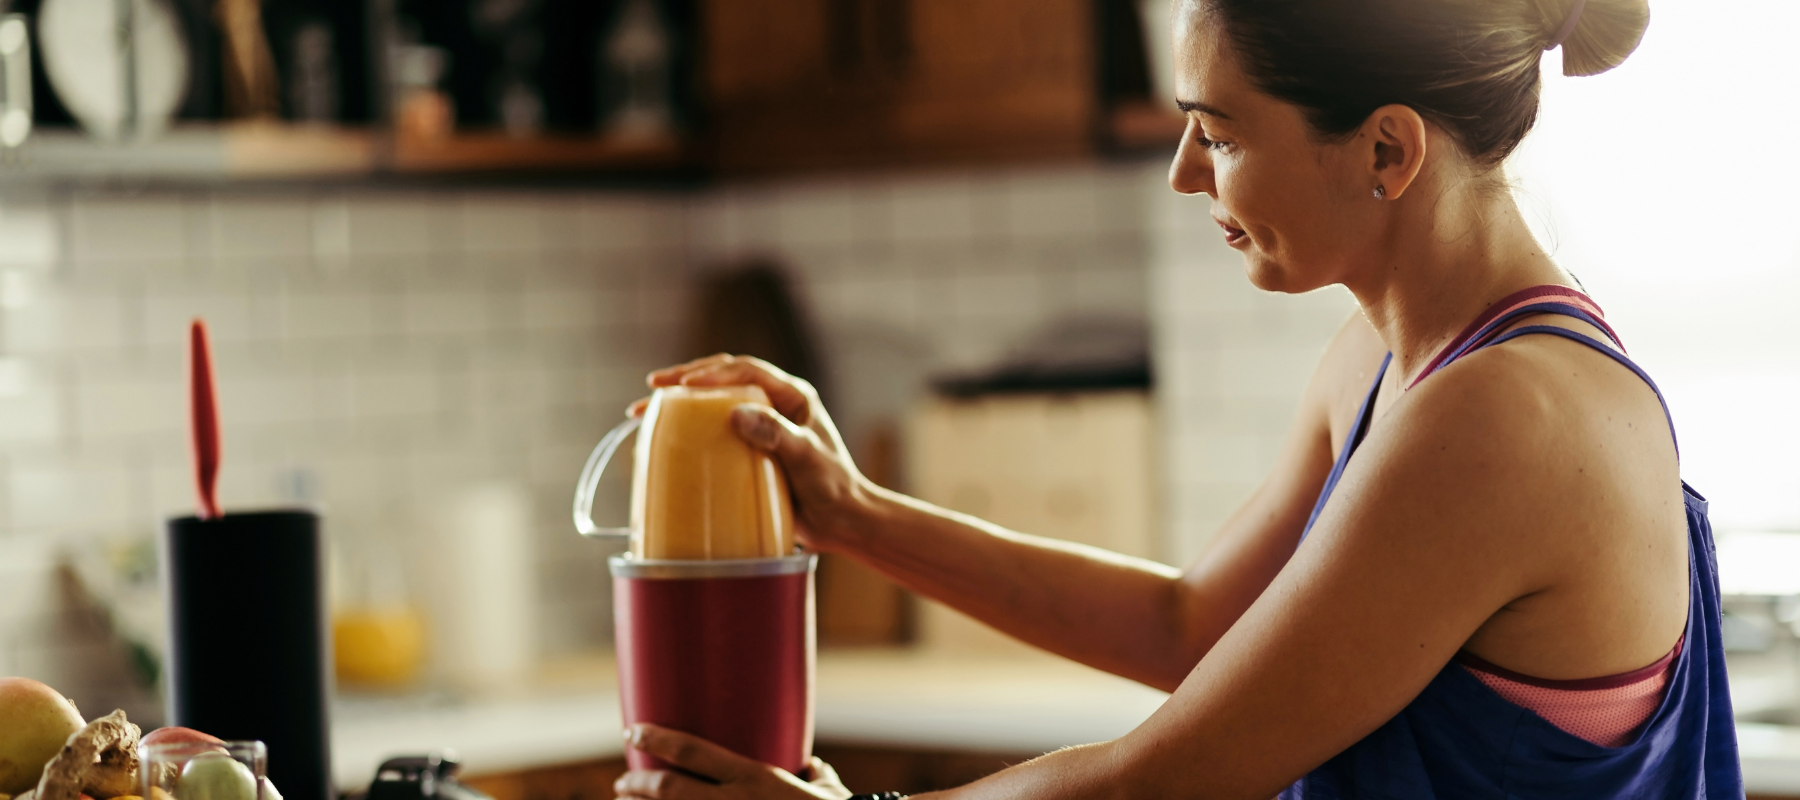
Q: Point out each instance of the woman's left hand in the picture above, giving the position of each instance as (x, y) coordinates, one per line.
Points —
(737, 777)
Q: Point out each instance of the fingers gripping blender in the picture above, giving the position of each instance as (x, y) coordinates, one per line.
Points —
(713, 611)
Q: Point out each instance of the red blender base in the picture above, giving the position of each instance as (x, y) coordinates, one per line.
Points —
(726, 658)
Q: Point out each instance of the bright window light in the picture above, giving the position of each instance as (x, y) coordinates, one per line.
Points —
(1671, 187)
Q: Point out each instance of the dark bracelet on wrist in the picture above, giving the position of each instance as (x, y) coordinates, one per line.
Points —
(879, 796)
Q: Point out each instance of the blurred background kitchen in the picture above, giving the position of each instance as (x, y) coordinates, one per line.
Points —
(439, 244)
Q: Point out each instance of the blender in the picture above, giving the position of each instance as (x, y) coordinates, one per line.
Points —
(713, 609)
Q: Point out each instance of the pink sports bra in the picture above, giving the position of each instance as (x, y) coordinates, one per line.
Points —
(1605, 711)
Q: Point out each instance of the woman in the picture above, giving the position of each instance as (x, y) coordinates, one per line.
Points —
(1506, 592)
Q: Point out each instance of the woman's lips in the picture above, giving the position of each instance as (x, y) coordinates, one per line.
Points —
(1234, 236)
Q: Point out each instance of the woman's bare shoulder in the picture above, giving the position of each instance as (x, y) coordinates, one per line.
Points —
(1346, 371)
(1550, 419)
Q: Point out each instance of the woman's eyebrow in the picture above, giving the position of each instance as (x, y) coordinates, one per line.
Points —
(1188, 106)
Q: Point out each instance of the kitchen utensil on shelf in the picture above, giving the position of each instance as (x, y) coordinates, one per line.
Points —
(247, 647)
(713, 611)
(15, 80)
(251, 87)
(119, 66)
(697, 490)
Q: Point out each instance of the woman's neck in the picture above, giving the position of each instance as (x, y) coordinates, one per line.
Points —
(1442, 262)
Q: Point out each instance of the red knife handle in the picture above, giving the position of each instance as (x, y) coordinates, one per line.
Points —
(205, 421)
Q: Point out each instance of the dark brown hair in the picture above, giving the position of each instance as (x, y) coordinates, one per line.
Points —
(1468, 66)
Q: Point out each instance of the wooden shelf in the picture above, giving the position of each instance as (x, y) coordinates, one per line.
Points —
(1145, 126)
(274, 151)
(492, 152)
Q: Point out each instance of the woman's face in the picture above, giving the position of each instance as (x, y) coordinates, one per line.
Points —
(1300, 211)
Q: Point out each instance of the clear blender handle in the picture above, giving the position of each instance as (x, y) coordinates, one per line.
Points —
(590, 480)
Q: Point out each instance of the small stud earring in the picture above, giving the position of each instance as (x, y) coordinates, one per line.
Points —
(1380, 193)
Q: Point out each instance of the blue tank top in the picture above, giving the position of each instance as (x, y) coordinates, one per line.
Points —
(1459, 740)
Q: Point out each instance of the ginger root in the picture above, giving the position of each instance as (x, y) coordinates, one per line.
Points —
(100, 761)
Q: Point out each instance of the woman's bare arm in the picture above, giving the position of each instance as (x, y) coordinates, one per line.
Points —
(1136, 618)
(1129, 616)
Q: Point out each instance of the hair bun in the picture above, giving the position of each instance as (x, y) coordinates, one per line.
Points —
(1607, 32)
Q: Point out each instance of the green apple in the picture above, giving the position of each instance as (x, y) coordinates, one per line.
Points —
(215, 776)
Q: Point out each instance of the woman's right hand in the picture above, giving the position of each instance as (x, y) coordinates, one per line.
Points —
(827, 489)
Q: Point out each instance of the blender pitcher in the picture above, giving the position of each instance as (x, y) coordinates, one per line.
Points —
(713, 611)
(697, 491)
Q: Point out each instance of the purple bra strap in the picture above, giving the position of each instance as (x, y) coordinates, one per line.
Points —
(1480, 339)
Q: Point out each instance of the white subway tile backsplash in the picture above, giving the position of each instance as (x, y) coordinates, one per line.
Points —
(1196, 511)
(500, 224)
(620, 222)
(168, 318)
(134, 229)
(1117, 292)
(390, 224)
(393, 391)
(331, 232)
(1060, 205)
(1267, 372)
(109, 408)
(264, 400)
(936, 209)
(261, 227)
(428, 312)
(29, 238)
(395, 341)
(68, 495)
(38, 326)
(1006, 297)
(30, 417)
(818, 215)
(333, 315)
(559, 310)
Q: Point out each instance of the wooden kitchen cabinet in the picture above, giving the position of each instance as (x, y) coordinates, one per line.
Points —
(586, 780)
(811, 84)
(1073, 466)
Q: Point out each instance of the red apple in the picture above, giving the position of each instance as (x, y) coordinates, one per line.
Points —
(175, 735)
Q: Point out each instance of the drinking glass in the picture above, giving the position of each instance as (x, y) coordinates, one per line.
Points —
(205, 771)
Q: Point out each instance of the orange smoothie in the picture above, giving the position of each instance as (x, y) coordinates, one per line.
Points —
(699, 491)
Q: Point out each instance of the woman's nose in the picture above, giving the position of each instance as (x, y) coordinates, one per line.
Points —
(1191, 172)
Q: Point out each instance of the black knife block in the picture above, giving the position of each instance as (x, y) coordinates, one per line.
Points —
(249, 652)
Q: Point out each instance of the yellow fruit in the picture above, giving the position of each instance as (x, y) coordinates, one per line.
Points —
(38, 722)
(378, 647)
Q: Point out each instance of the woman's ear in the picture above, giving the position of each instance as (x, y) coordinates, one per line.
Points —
(1398, 152)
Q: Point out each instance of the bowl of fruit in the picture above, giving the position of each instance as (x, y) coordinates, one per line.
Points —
(48, 752)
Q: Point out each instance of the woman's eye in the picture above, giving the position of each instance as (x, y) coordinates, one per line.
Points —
(1208, 143)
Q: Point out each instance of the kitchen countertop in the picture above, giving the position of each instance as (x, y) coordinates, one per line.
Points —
(900, 699)
(894, 698)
